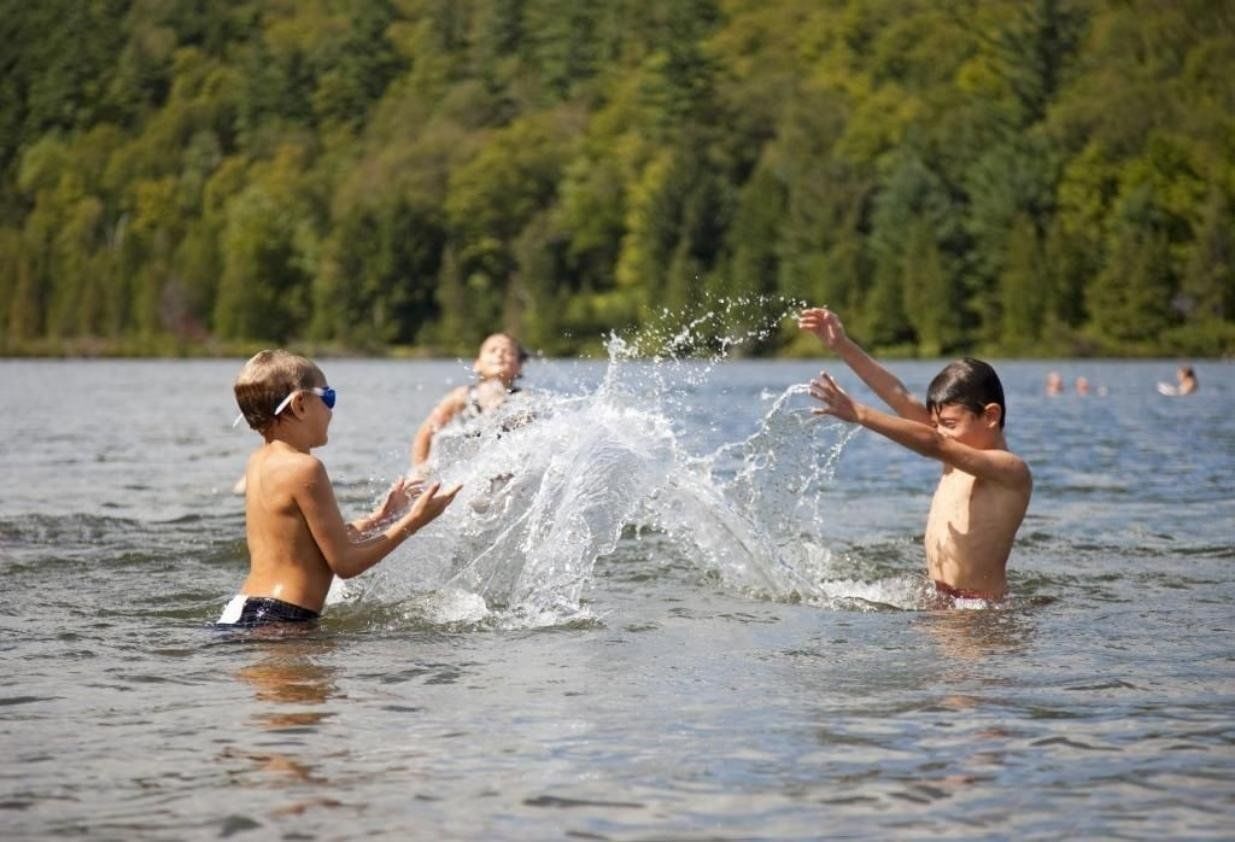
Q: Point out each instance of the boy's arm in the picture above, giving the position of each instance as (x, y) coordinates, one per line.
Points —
(448, 408)
(995, 465)
(827, 326)
(347, 556)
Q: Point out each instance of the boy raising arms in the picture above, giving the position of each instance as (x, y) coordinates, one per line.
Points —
(984, 491)
(298, 541)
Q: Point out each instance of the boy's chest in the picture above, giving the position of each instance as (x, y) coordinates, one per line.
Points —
(953, 502)
(970, 511)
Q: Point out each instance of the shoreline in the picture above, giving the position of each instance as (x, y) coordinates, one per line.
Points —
(91, 349)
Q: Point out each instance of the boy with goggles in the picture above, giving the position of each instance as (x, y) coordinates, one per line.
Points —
(297, 538)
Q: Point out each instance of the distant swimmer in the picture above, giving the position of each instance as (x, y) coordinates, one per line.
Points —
(498, 365)
(984, 491)
(1082, 386)
(1054, 383)
(297, 538)
(1185, 383)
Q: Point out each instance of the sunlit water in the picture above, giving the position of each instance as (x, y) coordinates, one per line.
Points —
(669, 603)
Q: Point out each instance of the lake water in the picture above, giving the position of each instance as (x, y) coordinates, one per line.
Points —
(673, 606)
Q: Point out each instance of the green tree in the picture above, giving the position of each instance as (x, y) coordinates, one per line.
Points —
(378, 275)
(911, 216)
(1207, 291)
(1130, 300)
(426, 170)
(931, 299)
(264, 290)
(1023, 290)
(754, 237)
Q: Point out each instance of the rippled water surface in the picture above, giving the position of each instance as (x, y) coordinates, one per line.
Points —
(669, 604)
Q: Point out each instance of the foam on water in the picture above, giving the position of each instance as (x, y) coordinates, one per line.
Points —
(550, 481)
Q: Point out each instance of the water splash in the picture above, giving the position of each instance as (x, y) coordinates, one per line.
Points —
(752, 512)
(551, 481)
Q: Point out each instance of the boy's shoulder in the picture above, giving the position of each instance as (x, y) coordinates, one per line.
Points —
(995, 465)
(1014, 471)
(1016, 459)
(280, 465)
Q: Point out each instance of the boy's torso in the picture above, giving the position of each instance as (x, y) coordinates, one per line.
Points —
(285, 561)
(970, 530)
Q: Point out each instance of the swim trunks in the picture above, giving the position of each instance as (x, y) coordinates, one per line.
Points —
(944, 589)
(250, 611)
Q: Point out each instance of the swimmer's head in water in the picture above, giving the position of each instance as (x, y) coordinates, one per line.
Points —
(268, 379)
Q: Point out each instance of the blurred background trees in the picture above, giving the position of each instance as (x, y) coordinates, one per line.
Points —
(1025, 177)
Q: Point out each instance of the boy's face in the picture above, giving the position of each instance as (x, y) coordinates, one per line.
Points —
(498, 358)
(323, 414)
(962, 424)
(314, 412)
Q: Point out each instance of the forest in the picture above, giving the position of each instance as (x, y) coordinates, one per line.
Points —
(1009, 177)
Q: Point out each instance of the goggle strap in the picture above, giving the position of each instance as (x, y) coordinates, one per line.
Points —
(283, 404)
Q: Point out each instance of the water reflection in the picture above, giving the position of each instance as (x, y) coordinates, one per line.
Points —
(288, 674)
(969, 636)
(972, 649)
(292, 689)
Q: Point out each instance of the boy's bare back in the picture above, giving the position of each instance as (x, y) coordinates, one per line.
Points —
(285, 560)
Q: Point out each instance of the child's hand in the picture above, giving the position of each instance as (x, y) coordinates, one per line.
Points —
(429, 505)
(835, 402)
(823, 323)
(397, 499)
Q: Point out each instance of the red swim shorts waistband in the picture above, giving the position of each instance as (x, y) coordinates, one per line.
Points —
(944, 589)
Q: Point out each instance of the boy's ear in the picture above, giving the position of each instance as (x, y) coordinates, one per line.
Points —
(991, 414)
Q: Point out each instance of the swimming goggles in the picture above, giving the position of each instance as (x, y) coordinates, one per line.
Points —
(327, 395)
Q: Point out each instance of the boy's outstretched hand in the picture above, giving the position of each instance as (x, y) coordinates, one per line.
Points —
(397, 500)
(400, 495)
(835, 402)
(429, 505)
(823, 323)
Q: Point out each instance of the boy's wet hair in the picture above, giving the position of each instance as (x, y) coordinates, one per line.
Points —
(269, 377)
(969, 383)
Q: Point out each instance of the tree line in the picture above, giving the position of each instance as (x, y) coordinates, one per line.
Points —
(1020, 177)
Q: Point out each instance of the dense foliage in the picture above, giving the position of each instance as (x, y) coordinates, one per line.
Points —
(1014, 176)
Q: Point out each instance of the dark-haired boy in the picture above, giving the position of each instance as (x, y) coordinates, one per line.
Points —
(984, 491)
